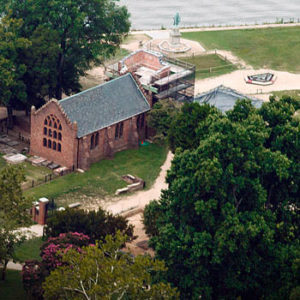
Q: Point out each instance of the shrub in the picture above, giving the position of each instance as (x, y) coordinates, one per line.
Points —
(150, 217)
(95, 224)
(35, 272)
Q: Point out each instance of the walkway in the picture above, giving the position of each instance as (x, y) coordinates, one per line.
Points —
(142, 198)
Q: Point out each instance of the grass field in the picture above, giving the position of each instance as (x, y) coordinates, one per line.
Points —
(104, 177)
(31, 172)
(12, 288)
(136, 38)
(292, 93)
(2, 162)
(209, 65)
(30, 249)
(275, 48)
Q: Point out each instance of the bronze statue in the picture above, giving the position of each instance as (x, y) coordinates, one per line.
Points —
(176, 19)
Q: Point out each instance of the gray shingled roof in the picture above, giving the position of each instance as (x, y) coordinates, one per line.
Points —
(224, 98)
(105, 104)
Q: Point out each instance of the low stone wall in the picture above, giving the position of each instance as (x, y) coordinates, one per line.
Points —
(135, 183)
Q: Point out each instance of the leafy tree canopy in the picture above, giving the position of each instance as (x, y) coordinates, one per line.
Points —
(14, 212)
(34, 272)
(102, 272)
(95, 224)
(161, 116)
(183, 129)
(12, 87)
(85, 32)
(228, 225)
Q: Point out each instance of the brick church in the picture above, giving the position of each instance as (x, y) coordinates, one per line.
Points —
(84, 128)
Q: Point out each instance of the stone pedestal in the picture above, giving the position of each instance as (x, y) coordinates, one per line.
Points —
(175, 37)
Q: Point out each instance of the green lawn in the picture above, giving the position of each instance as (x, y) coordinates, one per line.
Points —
(2, 162)
(12, 288)
(104, 177)
(292, 93)
(135, 38)
(30, 249)
(276, 48)
(31, 172)
(209, 65)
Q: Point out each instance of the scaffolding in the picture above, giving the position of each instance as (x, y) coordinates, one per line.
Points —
(178, 84)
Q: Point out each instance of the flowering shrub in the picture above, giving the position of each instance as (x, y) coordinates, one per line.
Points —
(35, 272)
(53, 248)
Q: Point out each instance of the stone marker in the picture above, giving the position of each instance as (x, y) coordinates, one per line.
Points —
(14, 158)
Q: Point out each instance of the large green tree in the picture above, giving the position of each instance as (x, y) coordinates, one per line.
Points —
(182, 132)
(40, 59)
(103, 272)
(12, 69)
(14, 213)
(85, 31)
(161, 116)
(228, 225)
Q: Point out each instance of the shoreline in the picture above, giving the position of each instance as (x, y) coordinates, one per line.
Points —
(219, 28)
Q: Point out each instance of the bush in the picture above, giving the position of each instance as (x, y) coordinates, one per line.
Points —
(35, 272)
(95, 224)
(150, 217)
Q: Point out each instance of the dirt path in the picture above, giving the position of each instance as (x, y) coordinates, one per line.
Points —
(139, 199)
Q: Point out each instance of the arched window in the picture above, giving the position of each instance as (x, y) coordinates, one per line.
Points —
(97, 139)
(121, 130)
(117, 132)
(92, 142)
(52, 120)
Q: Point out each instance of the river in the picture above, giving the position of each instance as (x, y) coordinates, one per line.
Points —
(155, 14)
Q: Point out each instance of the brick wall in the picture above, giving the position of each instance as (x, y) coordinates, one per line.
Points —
(108, 144)
(70, 144)
(143, 58)
(68, 154)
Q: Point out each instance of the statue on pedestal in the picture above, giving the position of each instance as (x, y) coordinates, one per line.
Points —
(176, 19)
(175, 34)
(173, 44)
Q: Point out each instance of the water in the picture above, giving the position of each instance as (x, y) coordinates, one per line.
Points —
(153, 14)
